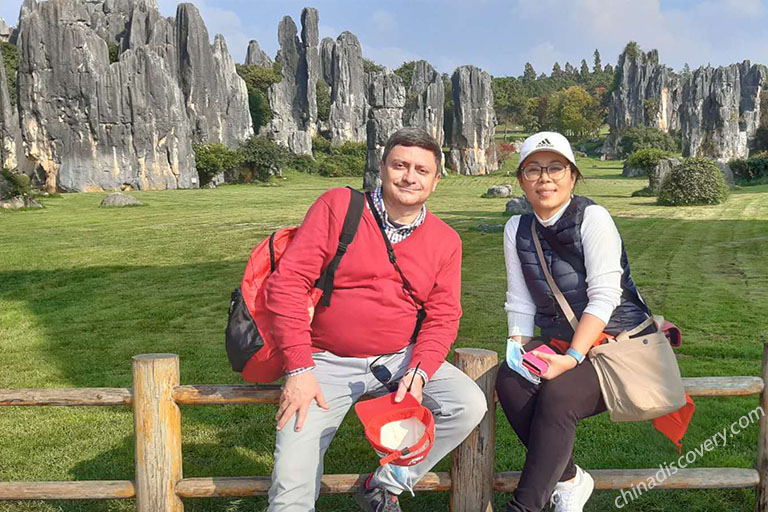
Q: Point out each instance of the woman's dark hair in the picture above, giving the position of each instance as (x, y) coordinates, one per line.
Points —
(415, 137)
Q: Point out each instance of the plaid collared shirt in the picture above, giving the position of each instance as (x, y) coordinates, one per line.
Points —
(396, 232)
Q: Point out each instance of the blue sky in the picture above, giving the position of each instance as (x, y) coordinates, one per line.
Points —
(500, 36)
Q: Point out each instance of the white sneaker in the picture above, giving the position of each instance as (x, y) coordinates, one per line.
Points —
(571, 496)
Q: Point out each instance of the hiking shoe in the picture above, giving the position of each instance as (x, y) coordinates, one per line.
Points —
(376, 499)
(571, 496)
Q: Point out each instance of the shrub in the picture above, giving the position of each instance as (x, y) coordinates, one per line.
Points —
(11, 62)
(260, 159)
(751, 170)
(647, 159)
(213, 159)
(14, 184)
(348, 159)
(114, 52)
(323, 94)
(694, 181)
(645, 137)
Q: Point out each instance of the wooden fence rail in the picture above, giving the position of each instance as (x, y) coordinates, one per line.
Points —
(159, 485)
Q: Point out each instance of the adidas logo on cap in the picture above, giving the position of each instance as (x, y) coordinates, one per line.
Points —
(545, 144)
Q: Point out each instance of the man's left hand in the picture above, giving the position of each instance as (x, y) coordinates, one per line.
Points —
(416, 388)
(558, 364)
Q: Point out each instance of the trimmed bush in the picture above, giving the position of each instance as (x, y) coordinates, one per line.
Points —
(750, 171)
(347, 159)
(647, 159)
(260, 159)
(213, 159)
(695, 181)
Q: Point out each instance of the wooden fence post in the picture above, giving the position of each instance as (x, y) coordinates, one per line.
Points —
(472, 462)
(761, 503)
(157, 428)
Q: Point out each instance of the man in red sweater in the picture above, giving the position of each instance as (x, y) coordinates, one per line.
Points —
(362, 343)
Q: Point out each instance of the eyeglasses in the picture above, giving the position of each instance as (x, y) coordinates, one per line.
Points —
(556, 171)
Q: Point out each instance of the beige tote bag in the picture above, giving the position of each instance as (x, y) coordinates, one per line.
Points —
(639, 377)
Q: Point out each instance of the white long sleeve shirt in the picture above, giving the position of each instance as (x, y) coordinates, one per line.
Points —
(602, 258)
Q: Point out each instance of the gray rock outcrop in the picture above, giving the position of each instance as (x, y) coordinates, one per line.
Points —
(474, 121)
(327, 46)
(657, 174)
(648, 94)
(518, 206)
(632, 172)
(721, 110)
(500, 191)
(89, 124)
(5, 31)
(425, 101)
(19, 202)
(215, 96)
(727, 172)
(386, 99)
(255, 56)
(118, 200)
(349, 106)
(293, 100)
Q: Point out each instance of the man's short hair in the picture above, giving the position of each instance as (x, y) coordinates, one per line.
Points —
(418, 137)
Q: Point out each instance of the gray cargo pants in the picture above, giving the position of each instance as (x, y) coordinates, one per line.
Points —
(455, 400)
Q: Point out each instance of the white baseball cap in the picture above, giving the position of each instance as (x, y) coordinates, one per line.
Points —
(547, 141)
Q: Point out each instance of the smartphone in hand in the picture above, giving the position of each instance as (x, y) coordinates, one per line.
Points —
(534, 364)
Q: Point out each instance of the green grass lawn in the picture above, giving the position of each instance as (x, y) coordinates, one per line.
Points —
(82, 289)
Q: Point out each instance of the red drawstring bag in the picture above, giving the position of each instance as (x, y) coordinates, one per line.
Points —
(401, 433)
(674, 424)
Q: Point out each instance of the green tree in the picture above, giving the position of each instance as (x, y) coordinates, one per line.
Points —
(405, 71)
(597, 66)
(212, 159)
(574, 112)
(557, 71)
(584, 70)
(11, 62)
(258, 80)
(645, 137)
(323, 94)
(529, 74)
(369, 66)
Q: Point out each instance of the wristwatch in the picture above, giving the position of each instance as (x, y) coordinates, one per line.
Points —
(578, 356)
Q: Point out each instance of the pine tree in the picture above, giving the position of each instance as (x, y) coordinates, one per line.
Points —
(529, 75)
(584, 70)
(597, 68)
(557, 71)
(570, 70)
(608, 69)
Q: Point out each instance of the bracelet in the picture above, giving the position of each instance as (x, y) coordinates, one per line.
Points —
(578, 356)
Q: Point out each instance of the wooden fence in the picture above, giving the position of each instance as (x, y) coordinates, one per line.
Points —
(160, 487)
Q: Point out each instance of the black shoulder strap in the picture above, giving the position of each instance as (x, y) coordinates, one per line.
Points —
(348, 230)
(391, 251)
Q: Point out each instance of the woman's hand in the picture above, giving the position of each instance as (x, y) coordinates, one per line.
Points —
(557, 364)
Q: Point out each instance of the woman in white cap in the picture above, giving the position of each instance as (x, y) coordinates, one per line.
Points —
(585, 256)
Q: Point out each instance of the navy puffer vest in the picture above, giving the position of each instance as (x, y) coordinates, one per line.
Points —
(568, 270)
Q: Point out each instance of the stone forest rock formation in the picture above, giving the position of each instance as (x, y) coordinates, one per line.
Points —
(474, 122)
(715, 111)
(255, 56)
(293, 100)
(386, 97)
(349, 106)
(424, 105)
(112, 94)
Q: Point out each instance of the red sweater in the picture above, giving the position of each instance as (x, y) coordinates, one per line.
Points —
(370, 314)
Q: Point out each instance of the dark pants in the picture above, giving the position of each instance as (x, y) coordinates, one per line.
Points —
(544, 418)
